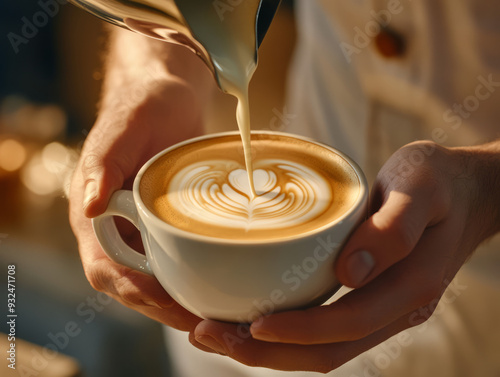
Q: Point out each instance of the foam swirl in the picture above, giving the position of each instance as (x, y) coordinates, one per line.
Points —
(218, 192)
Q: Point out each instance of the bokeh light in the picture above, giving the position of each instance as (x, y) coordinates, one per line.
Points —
(12, 155)
(48, 171)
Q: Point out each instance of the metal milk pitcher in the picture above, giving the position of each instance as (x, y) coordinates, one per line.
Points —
(177, 21)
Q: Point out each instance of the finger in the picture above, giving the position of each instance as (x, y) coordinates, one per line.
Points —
(100, 181)
(234, 341)
(384, 239)
(200, 346)
(133, 289)
(107, 160)
(410, 284)
(140, 292)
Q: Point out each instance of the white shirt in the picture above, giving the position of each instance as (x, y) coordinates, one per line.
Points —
(445, 87)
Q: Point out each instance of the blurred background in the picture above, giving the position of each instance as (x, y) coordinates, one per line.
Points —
(50, 75)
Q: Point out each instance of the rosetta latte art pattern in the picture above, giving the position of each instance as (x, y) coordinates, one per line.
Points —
(218, 192)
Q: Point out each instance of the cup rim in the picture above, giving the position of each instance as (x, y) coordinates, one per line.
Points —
(360, 200)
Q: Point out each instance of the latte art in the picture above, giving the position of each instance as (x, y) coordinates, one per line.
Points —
(203, 188)
(218, 192)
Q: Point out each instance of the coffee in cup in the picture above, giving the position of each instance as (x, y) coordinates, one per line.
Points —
(224, 253)
(203, 188)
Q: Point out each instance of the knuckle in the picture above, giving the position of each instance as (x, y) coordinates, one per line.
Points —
(404, 237)
(104, 276)
(96, 277)
(129, 297)
(128, 292)
(401, 233)
(95, 166)
(425, 144)
(413, 162)
(91, 163)
(427, 147)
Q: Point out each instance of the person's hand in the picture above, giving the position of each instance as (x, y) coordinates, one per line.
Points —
(143, 111)
(430, 208)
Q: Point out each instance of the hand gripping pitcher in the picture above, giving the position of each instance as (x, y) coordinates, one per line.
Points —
(225, 34)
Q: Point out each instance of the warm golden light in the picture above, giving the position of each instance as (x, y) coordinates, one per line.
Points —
(49, 170)
(37, 178)
(55, 157)
(12, 155)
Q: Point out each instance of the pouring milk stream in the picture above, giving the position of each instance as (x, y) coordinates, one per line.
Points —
(231, 41)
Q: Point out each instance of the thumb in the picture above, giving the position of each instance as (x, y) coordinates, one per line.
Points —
(110, 155)
(101, 177)
(387, 237)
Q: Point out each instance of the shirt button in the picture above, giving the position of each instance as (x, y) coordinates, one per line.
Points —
(389, 43)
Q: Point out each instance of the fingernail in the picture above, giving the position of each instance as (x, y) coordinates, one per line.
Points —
(152, 303)
(194, 342)
(359, 265)
(211, 343)
(265, 336)
(90, 193)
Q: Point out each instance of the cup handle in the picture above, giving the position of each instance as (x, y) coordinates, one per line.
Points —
(121, 204)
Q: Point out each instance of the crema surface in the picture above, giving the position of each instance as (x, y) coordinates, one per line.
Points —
(203, 188)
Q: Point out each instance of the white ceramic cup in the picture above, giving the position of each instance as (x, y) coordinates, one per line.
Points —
(231, 280)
